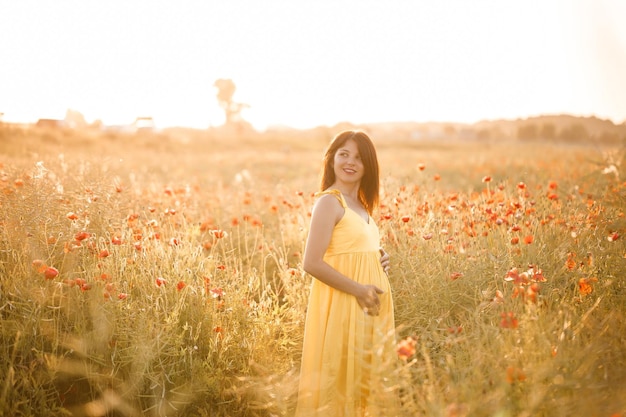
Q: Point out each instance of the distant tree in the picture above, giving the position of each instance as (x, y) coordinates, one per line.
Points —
(232, 110)
(74, 119)
(449, 131)
(483, 134)
(527, 132)
(576, 133)
(548, 131)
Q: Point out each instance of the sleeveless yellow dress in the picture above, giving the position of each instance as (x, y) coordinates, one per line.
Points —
(347, 355)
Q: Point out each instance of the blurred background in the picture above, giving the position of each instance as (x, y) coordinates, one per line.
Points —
(304, 64)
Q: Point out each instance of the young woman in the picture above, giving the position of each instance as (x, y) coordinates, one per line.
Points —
(349, 334)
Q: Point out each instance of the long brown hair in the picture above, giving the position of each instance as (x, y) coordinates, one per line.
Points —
(370, 183)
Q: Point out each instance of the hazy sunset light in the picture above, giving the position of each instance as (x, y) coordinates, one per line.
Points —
(309, 63)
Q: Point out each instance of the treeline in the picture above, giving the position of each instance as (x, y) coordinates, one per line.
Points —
(554, 128)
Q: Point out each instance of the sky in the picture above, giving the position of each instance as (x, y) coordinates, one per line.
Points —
(310, 63)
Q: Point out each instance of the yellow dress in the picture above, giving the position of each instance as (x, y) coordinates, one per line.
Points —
(347, 355)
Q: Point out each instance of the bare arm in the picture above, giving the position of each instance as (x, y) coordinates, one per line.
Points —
(325, 215)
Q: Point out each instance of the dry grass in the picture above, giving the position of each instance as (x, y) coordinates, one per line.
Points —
(185, 295)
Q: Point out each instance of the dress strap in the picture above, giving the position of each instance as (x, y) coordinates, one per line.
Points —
(336, 193)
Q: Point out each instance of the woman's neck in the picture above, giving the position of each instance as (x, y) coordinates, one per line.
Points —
(348, 190)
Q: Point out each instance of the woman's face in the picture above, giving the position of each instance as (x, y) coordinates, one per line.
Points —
(347, 163)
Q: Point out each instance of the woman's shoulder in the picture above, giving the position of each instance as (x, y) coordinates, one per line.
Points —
(329, 191)
(329, 202)
(330, 195)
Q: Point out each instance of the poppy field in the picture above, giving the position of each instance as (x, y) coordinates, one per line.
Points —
(160, 274)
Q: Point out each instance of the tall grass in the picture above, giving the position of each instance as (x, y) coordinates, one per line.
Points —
(180, 291)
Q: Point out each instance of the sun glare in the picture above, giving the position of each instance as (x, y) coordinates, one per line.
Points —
(305, 64)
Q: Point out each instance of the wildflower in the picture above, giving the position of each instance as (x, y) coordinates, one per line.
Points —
(39, 265)
(514, 374)
(421, 166)
(50, 272)
(217, 292)
(103, 253)
(122, 296)
(456, 275)
(570, 263)
(218, 233)
(536, 274)
(80, 236)
(71, 215)
(531, 292)
(160, 281)
(585, 285)
(180, 285)
(406, 219)
(529, 239)
(406, 348)
(487, 178)
(508, 321)
(455, 329)
(517, 278)
(613, 237)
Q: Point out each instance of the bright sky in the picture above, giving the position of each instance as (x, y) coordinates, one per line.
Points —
(309, 63)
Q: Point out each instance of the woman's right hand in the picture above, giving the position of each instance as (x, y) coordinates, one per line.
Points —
(368, 299)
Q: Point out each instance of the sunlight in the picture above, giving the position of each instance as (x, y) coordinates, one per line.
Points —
(305, 64)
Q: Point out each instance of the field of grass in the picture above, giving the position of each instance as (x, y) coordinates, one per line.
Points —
(160, 274)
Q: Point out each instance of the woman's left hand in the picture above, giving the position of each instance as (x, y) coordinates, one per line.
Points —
(384, 260)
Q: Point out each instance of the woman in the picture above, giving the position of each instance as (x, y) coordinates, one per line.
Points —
(349, 332)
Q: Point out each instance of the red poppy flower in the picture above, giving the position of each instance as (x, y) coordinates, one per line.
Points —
(50, 272)
(218, 233)
(80, 236)
(509, 321)
(456, 275)
(217, 292)
(585, 285)
(406, 347)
